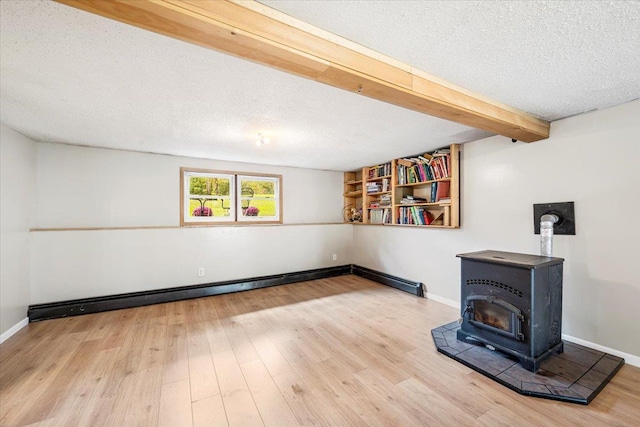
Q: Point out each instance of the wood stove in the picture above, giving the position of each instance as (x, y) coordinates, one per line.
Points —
(512, 302)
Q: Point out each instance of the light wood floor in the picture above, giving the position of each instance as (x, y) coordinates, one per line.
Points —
(337, 352)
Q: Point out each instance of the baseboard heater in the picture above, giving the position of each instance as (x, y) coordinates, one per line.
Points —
(158, 296)
(414, 288)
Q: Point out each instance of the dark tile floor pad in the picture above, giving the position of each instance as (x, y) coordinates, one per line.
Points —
(577, 375)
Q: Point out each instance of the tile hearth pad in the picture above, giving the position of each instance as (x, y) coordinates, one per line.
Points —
(577, 375)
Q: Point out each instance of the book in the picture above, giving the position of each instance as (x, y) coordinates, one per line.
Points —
(438, 165)
(428, 218)
(434, 169)
(409, 200)
(401, 178)
(420, 215)
(421, 171)
(428, 172)
(374, 187)
(379, 170)
(445, 165)
(414, 215)
(442, 190)
(413, 177)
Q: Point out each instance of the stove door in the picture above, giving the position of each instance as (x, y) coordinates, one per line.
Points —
(495, 315)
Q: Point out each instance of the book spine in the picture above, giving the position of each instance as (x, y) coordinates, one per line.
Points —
(421, 172)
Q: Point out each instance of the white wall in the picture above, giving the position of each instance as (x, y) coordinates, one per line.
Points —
(81, 264)
(17, 195)
(593, 160)
(90, 187)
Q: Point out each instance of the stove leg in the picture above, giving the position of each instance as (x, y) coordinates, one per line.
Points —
(532, 364)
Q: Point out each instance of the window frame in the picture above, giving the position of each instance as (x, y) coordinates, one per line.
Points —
(277, 198)
(185, 197)
(235, 199)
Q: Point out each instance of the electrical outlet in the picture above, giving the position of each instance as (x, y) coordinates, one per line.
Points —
(335, 257)
(200, 272)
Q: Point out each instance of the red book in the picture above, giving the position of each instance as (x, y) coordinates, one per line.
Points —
(443, 190)
(434, 168)
(443, 174)
(427, 217)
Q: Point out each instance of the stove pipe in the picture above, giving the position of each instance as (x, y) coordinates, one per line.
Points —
(546, 234)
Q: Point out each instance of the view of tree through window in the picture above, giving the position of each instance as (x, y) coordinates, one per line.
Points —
(209, 196)
(209, 186)
(258, 197)
(260, 188)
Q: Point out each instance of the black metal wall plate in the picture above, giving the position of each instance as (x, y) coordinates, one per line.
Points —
(564, 210)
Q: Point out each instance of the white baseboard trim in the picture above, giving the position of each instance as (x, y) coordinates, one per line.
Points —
(445, 301)
(12, 330)
(628, 358)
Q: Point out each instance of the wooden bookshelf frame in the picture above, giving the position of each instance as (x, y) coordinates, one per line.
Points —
(355, 193)
(368, 197)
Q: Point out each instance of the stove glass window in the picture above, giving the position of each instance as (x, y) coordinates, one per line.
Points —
(492, 315)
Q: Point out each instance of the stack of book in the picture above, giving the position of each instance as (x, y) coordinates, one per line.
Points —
(383, 202)
(412, 200)
(415, 215)
(380, 170)
(426, 167)
(374, 187)
(380, 216)
(440, 191)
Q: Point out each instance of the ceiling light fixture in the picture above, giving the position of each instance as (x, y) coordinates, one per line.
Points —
(262, 140)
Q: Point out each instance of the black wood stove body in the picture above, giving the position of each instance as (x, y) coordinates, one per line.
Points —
(512, 302)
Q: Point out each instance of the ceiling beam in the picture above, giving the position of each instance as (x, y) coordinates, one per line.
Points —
(255, 32)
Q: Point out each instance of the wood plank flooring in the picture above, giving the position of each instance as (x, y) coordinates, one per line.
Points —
(336, 352)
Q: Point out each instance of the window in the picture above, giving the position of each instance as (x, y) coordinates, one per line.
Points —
(259, 198)
(208, 197)
(214, 197)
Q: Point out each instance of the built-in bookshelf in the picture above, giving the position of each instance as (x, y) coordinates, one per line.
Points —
(422, 190)
(352, 211)
(378, 201)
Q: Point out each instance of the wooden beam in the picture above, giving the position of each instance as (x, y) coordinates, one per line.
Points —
(255, 32)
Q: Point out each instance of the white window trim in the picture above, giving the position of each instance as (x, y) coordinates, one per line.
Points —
(277, 198)
(235, 198)
(185, 217)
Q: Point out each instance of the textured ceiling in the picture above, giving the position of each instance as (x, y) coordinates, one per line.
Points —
(69, 76)
(552, 59)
